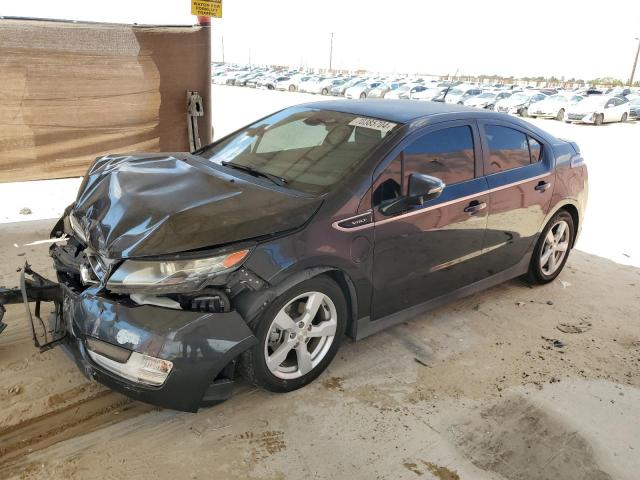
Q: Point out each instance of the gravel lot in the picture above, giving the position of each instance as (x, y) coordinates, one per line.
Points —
(489, 387)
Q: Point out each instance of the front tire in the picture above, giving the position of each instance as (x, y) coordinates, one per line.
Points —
(298, 336)
(292, 88)
(624, 117)
(552, 249)
(363, 96)
(599, 119)
(324, 91)
(524, 112)
(560, 115)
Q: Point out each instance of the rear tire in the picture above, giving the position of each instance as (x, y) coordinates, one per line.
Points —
(363, 96)
(552, 249)
(292, 88)
(296, 341)
(560, 115)
(524, 112)
(324, 91)
(624, 117)
(599, 120)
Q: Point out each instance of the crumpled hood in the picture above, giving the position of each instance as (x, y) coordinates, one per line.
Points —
(155, 204)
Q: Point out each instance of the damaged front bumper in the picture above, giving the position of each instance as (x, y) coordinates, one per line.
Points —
(102, 334)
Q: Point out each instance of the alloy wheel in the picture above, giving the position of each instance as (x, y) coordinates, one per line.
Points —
(300, 335)
(556, 245)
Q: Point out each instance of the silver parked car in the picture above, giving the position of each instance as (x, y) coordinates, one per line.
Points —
(362, 89)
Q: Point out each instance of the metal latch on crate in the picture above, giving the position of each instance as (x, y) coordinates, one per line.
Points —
(195, 109)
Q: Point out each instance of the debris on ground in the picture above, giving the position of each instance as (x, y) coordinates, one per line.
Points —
(421, 362)
(565, 284)
(553, 342)
(25, 211)
(520, 304)
(549, 302)
(15, 390)
(579, 327)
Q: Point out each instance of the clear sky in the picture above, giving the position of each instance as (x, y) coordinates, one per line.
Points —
(568, 38)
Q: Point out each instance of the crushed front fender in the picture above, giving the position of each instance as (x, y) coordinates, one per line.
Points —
(200, 346)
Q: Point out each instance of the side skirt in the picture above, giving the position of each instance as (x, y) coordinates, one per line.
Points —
(366, 327)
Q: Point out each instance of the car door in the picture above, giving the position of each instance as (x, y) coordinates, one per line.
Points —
(519, 173)
(429, 250)
(619, 109)
(610, 111)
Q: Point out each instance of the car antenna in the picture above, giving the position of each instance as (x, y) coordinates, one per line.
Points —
(449, 86)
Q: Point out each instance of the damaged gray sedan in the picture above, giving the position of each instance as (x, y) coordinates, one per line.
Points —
(261, 251)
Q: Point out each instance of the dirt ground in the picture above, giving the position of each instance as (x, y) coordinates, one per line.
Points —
(512, 383)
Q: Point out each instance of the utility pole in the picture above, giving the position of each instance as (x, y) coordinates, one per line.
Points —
(331, 53)
(635, 63)
(222, 38)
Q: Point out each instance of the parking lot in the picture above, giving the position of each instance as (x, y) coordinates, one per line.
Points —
(515, 382)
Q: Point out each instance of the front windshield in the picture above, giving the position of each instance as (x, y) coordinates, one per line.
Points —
(310, 149)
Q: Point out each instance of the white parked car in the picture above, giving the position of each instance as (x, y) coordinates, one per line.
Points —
(430, 94)
(519, 103)
(293, 83)
(361, 90)
(323, 86)
(554, 106)
(486, 100)
(460, 95)
(598, 109)
(406, 91)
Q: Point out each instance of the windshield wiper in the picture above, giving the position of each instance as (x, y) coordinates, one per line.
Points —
(257, 173)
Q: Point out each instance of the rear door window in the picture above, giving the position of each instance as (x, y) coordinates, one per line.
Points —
(508, 149)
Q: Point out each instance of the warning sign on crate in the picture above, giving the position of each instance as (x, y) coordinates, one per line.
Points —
(206, 8)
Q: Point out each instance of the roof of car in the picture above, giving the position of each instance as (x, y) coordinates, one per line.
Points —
(408, 111)
(401, 111)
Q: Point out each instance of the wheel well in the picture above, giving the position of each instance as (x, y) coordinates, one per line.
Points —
(573, 211)
(347, 288)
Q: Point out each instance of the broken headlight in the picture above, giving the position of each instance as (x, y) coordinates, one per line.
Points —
(174, 276)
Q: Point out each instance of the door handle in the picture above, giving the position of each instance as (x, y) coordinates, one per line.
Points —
(542, 186)
(475, 207)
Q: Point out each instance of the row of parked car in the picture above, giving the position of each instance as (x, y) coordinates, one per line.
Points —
(585, 105)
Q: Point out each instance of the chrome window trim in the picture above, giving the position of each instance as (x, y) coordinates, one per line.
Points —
(432, 207)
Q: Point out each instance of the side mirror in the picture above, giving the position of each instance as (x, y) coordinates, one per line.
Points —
(423, 188)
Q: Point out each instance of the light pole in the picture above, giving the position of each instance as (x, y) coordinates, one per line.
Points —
(222, 38)
(635, 62)
(331, 52)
